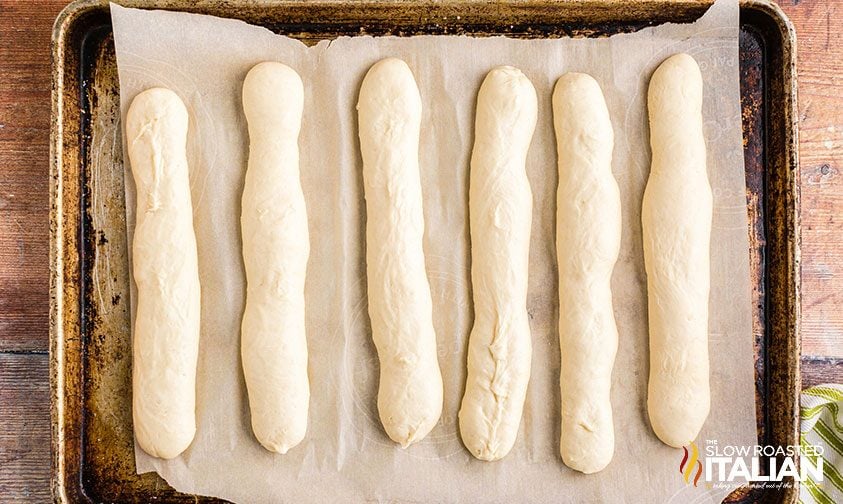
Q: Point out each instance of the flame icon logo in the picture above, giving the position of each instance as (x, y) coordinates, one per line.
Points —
(691, 461)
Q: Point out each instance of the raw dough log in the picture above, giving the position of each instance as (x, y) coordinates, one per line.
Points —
(501, 210)
(676, 219)
(588, 234)
(400, 306)
(276, 247)
(166, 337)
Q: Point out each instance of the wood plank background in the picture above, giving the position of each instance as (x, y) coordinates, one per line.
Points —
(25, 29)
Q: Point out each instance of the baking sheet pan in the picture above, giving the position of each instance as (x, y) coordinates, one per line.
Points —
(93, 458)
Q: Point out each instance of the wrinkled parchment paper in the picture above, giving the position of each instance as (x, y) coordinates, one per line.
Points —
(346, 456)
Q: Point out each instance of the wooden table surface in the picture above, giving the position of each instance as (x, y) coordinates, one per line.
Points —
(25, 29)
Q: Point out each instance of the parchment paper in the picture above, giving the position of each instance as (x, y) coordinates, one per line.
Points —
(346, 457)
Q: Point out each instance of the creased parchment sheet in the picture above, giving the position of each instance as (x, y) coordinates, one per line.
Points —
(346, 457)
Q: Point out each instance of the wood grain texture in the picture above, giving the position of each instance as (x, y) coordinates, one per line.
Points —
(819, 33)
(24, 428)
(819, 370)
(25, 29)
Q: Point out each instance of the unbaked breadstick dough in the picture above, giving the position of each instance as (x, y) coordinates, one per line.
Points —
(588, 235)
(676, 218)
(400, 306)
(166, 338)
(276, 247)
(501, 210)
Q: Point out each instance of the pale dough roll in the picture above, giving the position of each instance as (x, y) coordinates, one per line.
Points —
(400, 306)
(166, 337)
(276, 247)
(676, 218)
(501, 209)
(588, 234)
